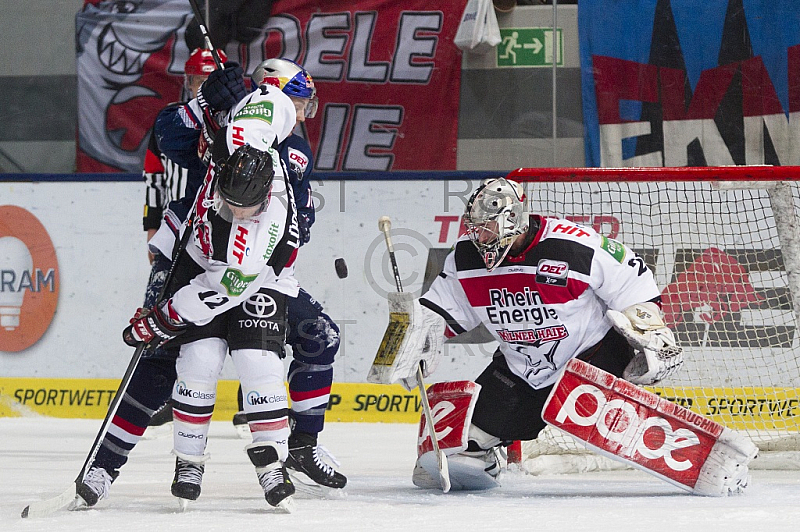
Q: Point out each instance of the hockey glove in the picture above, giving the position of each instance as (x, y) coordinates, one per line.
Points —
(223, 88)
(657, 354)
(304, 224)
(154, 327)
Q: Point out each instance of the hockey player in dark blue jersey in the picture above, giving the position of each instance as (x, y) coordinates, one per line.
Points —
(313, 335)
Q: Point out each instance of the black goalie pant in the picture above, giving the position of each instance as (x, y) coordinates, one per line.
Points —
(510, 409)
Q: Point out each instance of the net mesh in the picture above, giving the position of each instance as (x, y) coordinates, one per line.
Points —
(725, 252)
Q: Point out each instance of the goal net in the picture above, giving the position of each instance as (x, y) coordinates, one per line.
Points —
(724, 245)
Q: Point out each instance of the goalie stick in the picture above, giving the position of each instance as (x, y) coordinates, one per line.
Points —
(385, 226)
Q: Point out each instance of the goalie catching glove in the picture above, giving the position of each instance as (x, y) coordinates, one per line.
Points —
(154, 327)
(415, 334)
(657, 354)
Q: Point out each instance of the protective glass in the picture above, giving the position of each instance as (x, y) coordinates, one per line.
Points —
(233, 214)
(307, 106)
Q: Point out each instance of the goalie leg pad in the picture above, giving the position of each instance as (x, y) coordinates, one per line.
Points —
(452, 405)
(628, 424)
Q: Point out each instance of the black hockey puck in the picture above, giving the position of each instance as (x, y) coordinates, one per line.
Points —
(341, 268)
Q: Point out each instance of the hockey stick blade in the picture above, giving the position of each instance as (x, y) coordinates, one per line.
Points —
(49, 506)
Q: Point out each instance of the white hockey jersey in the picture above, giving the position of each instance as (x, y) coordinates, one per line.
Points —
(547, 305)
(237, 258)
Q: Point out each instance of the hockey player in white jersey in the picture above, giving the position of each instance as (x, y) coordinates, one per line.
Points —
(229, 291)
(549, 291)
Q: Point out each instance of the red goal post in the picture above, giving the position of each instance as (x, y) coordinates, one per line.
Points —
(724, 245)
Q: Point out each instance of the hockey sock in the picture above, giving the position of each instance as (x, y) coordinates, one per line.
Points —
(149, 390)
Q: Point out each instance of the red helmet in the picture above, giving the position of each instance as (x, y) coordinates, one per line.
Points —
(201, 62)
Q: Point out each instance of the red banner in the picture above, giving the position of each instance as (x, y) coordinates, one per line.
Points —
(387, 75)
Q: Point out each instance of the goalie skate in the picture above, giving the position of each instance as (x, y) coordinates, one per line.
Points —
(468, 471)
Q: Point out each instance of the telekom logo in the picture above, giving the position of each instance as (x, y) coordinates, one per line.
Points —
(619, 421)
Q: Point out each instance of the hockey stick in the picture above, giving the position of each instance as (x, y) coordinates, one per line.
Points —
(385, 225)
(198, 16)
(48, 506)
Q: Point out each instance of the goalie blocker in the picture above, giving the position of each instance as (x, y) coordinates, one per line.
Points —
(631, 425)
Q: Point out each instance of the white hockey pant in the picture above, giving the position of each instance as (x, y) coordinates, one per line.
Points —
(265, 399)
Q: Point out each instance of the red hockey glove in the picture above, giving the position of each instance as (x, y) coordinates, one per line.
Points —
(154, 327)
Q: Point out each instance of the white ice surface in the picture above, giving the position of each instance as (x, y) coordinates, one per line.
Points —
(40, 457)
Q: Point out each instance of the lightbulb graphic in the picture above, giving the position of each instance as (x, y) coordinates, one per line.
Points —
(15, 258)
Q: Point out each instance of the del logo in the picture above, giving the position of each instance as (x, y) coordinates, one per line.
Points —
(298, 158)
(28, 279)
(256, 110)
(552, 272)
(235, 282)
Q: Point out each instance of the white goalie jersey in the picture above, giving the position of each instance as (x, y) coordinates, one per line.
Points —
(548, 304)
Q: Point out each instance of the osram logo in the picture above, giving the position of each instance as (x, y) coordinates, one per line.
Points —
(29, 279)
(619, 422)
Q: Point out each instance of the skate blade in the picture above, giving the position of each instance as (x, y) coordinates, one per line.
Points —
(183, 504)
(286, 506)
(305, 486)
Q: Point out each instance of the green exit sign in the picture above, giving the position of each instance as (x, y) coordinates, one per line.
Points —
(529, 47)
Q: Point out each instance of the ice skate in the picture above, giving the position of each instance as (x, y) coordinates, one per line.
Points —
(272, 475)
(94, 487)
(187, 481)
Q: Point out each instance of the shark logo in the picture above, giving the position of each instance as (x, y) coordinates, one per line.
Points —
(534, 363)
(127, 63)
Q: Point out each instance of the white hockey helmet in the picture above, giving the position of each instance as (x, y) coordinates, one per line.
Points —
(495, 217)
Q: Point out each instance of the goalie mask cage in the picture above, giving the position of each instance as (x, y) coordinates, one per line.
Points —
(724, 245)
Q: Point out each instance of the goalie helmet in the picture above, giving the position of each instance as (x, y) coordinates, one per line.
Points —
(494, 218)
(291, 78)
(246, 177)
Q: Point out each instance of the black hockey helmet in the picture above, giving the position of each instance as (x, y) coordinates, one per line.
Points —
(246, 177)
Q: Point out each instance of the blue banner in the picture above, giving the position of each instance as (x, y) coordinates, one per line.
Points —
(687, 83)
